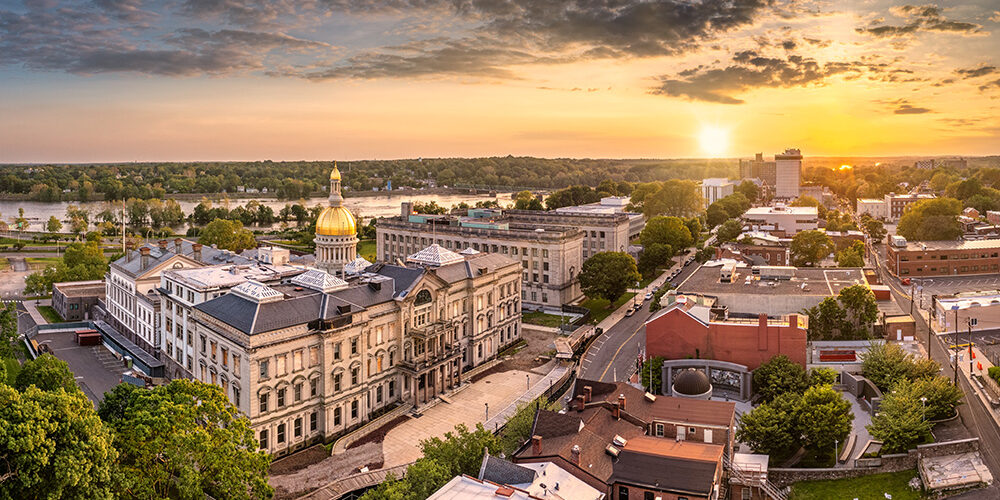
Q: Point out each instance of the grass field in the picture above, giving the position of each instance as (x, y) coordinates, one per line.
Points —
(36, 263)
(367, 250)
(50, 314)
(543, 319)
(599, 307)
(862, 488)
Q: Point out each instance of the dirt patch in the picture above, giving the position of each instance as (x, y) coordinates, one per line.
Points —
(299, 460)
(378, 435)
(539, 343)
(319, 474)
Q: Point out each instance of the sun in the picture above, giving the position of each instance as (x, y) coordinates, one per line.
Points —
(714, 140)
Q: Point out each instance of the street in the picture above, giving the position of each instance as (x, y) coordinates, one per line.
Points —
(612, 356)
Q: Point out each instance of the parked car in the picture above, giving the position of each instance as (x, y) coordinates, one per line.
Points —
(649, 295)
(630, 311)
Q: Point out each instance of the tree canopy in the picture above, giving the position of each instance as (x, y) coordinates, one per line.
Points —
(810, 247)
(227, 234)
(934, 219)
(670, 231)
(676, 197)
(608, 275)
(47, 373)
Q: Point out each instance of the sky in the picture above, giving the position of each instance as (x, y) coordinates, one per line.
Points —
(187, 80)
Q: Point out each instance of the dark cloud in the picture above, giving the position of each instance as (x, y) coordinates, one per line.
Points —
(995, 84)
(750, 70)
(981, 70)
(918, 18)
(904, 107)
(129, 11)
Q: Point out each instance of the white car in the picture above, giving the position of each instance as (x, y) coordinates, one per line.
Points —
(649, 295)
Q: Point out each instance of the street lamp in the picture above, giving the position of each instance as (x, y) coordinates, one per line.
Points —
(955, 308)
(923, 405)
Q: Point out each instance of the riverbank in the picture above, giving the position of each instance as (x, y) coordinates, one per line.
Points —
(270, 197)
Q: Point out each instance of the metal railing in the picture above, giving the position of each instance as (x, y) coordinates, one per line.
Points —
(758, 481)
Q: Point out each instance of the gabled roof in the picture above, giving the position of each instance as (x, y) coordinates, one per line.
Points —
(503, 471)
(132, 264)
(403, 277)
(683, 467)
(435, 256)
(667, 408)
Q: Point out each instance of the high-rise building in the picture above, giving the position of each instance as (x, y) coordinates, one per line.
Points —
(757, 168)
(788, 173)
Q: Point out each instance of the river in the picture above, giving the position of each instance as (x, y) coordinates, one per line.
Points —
(38, 212)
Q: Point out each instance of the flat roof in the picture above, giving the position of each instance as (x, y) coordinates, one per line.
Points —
(782, 211)
(706, 280)
(229, 275)
(930, 246)
(687, 450)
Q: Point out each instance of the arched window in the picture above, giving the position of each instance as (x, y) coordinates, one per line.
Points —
(423, 297)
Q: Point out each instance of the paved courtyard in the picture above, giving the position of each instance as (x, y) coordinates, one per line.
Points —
(468, 406)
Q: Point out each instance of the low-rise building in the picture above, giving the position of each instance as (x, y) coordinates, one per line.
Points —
(782, 220)
(895, 204)
(716, 188)
(874, 207)
(73, 300)
(686, 329)
(311, 358)
(942, 258)
(951, 312)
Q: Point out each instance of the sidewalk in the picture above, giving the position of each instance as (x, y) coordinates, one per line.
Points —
(619, 313)
(981, 393)
(32, 308)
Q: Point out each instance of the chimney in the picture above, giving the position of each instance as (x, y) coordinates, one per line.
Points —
(196, 247)
(405, 209)
(536, 444)
(129, 247)
(574, 454)
(588, 393)
(177, 245)
(621, 401)
(163, 245)
(762, 332)
(144, 252)
(581, 401)
(616, 410)
(793, 320)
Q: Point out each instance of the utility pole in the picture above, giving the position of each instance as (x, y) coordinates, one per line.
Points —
(972, 322)
(956, 345)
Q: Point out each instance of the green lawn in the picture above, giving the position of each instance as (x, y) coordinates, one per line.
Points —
(863, 488)
(599, 307)
(4, 264)
(366, 249)
(543, 319)
(50, 314)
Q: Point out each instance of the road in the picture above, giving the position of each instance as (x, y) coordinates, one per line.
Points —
(612, 356)
(973, 413)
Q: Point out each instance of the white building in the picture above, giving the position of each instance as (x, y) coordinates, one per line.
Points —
(874, 207)
(715, 188)
(788, 174)
(781, 220)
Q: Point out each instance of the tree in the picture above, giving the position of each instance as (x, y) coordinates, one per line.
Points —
(749, 190)
(651, 373)
(430, 207)
(608, 275)
(675, 197)
(670, 231)
(778, 376)
(10, 343)
(827, 321)
(809, 201)
(874, 228)
(653, 257)
(942, 397)
(54, 446)
(934, 219)
(227, 234)
(735, 205)
(526, 200)
(53, 226)
(822, 376)
(848, 257)
(571, 196)
(767, 429)
(715, 215)
(886, 363)
(729, 231)
(823, 417)
(47, 373)
(694, 226)
(859, 304)
(900, 423)
(185, 437)
(461, 451)
(810, 247)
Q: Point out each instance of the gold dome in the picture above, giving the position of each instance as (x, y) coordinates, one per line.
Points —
(336, 221)
(335, 174)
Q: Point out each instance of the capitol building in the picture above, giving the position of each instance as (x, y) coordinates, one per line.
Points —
(311, 353)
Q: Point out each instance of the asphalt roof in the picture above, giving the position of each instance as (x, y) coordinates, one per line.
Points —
(503, 471)
(665, 472)
(132, 265)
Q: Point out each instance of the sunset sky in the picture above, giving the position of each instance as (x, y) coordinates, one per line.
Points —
(148, 80)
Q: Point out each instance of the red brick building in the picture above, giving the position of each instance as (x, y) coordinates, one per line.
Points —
(943, 258)
(679, 332)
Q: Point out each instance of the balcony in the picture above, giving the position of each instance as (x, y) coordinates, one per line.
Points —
(431, 329)
(429, 360)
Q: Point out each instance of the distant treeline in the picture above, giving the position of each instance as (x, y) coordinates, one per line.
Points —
(300, 179)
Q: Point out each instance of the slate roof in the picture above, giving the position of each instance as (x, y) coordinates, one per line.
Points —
(472, 266)
(664, 468)
(693, 411)
(404, 277)
(252, 317)
(209, 256)
(503, 471)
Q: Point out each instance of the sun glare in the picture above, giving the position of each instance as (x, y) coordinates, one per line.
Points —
(714, 140)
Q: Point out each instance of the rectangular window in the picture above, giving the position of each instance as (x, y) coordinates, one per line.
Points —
(623, 493)
(225, 357)
(336, 351)
(336, 382)
(392, 389)
(281, 397)
(354, 376)
(313, 387)
(236, 365)
(281, 433)
(236, 396)
(204, 343)
(313, 418)
(297, 360)
(354, 410)
(336, 416)
(263, 439)
(648, 495)
(354, 346)
(262, 403)
(659, 430)
(313, 356)
(297, 392)
(378, 394)
(297, 427)
(263, 369)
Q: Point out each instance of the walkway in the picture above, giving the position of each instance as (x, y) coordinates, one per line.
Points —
(32, 308)
(860, 429)
(500, 391)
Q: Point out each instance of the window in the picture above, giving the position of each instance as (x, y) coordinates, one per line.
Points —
(297, 428)
(262, 399)
(336, 351)
(281, 433)
(225, 357)
(281, 397)
(236, 365)
(623, 493)
(313, 387)
(203, 344)
(313, 418)
(337, 378)
(354, 346)
(236, 396)
(423, 297)
(378, 394)
(313, 356)
(263, 369)
(747, 493)
(648, 495)
(354, 376)
(336, 416)
(354, 409)
(392, 389)
(297, 360)
(297, 392)
(659, 430)
(263, 439)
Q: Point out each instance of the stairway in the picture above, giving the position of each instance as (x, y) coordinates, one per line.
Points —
(772, 491)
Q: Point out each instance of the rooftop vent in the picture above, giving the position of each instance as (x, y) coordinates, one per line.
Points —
(619, 441)
(611, 450)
